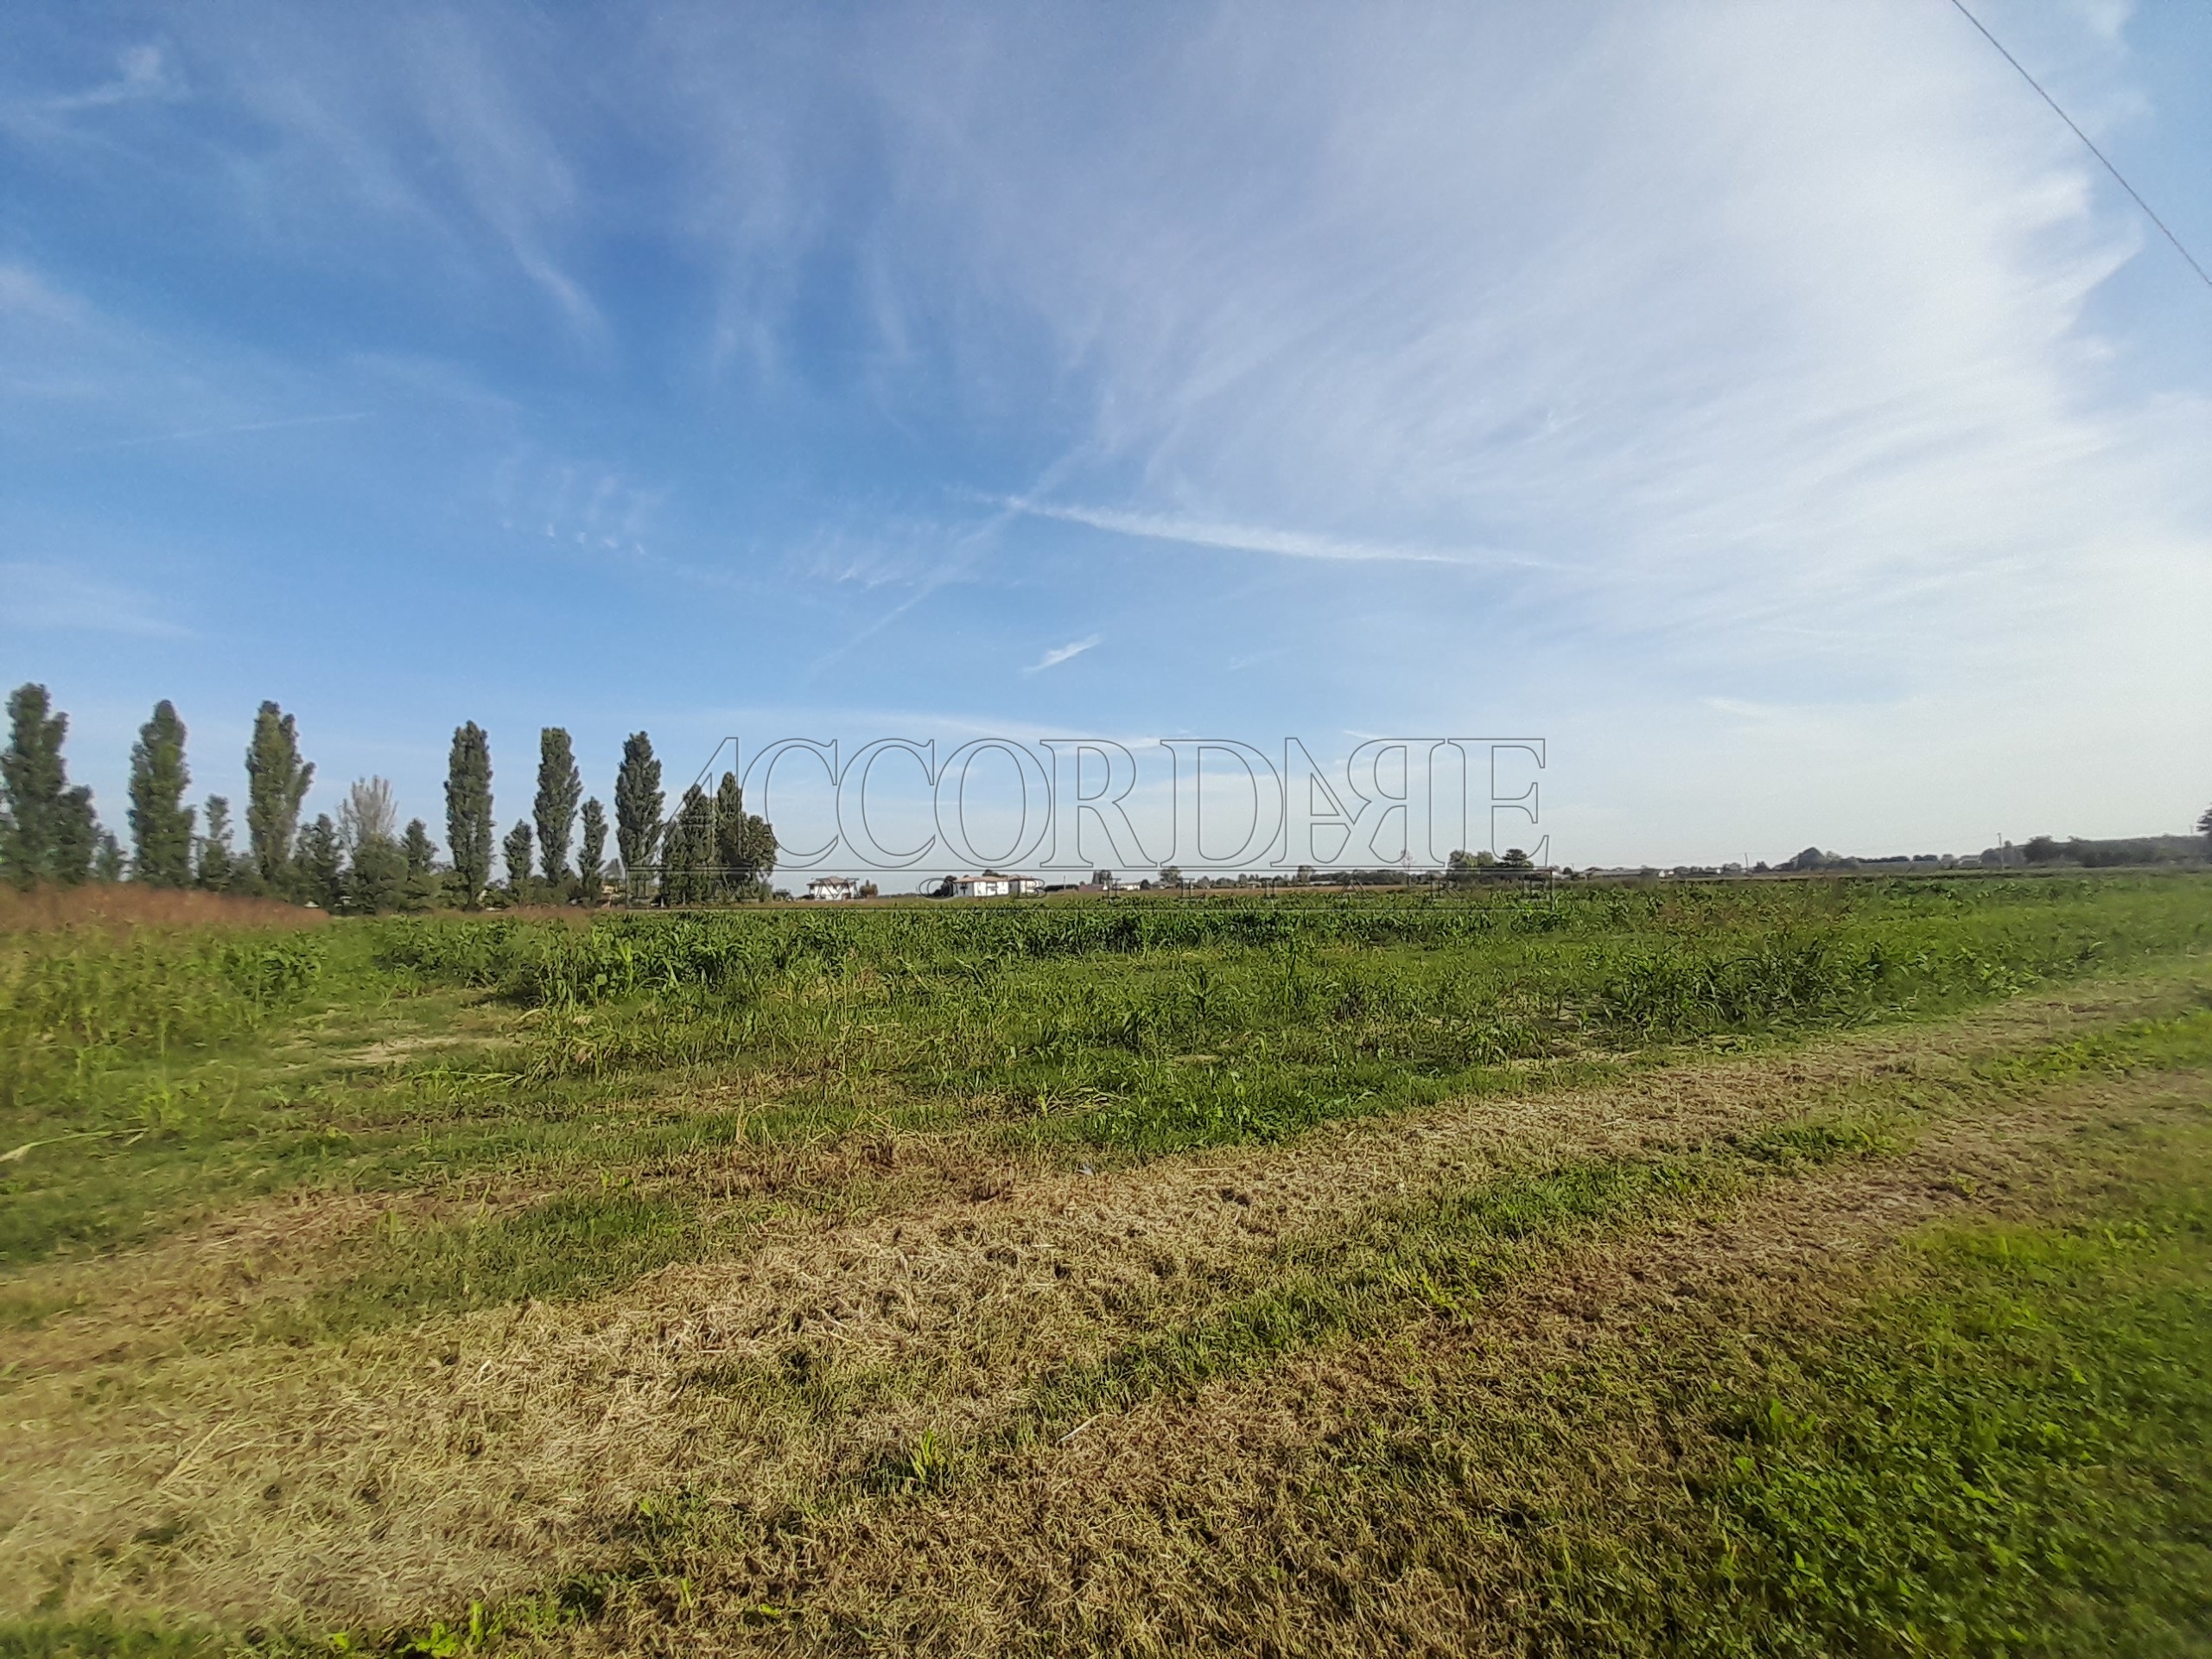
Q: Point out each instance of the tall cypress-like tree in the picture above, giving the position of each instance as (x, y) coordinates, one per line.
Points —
(469, 812)
(161, 824)
(638, 803)
(745, 847)
(276, 781)
(107, 857)
(591, 857)
(48, 829)
(729, 829)
(560, 786)
(376, 876)
(33, 787)
(322, 876)
(218, 863)
(517, 847)
(420, 853)
(688, 861)
(79, 844)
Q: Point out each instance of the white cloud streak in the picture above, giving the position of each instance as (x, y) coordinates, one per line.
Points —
(226, 431)
(1059, 654)
(1251, 538)
(46, 597)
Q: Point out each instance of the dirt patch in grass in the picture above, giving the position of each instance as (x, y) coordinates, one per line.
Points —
(394, 1049)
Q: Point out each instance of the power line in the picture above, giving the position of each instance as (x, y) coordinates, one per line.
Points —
(2084, 137)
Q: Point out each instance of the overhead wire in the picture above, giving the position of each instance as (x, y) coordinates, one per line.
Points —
(2149, 213)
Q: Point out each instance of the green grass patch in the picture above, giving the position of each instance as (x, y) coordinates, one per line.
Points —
(2005, 1448)
(102, 1637)
(2013, 1456)
(152, 1078)
(560, 1248)
(2181, 1040)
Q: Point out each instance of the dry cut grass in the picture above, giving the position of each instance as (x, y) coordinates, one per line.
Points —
(1269, 1512)
(122, 906)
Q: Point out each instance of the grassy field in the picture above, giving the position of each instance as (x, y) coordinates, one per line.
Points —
(1764, 1269)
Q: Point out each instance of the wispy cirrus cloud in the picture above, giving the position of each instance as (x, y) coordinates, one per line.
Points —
(143, 72)
(1743, 352)
(230, 430)
(1761, 355)
(27, 295)
(46, 597)
(1066, 653)
(1255, 538)
(426, 146)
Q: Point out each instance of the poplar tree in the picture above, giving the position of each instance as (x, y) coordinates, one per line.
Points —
(277, 780)
(79, 844)
(469, 812)
(107, 857)
(745, 847)
(591, 868)
(34, 786)
(161, 824)
(560, 786)
(217, 861)
(48, 831)
(368, 813)
(321, 876)
(421, 853)
(688, 859)
(376, 878)
(517, 847)
(638, 803)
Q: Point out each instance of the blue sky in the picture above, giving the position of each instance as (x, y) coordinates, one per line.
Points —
(1770, 405)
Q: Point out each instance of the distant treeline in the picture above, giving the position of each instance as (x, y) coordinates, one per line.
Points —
(2123, 852)
(2110, 855)
(710, 850)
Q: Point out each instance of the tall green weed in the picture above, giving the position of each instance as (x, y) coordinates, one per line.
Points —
(73, 1005)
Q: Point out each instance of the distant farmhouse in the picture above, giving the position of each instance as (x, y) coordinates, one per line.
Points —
(833, 887)
(991, 885)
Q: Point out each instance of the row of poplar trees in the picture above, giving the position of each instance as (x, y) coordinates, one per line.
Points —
(712, 849)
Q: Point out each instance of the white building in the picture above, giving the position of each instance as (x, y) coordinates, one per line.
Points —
(991, 885)
(833, 887)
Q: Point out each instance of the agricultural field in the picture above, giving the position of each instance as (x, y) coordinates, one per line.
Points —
(1784, 1269)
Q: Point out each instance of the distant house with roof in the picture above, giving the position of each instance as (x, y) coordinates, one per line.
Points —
(990, 884)
(833, 887)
